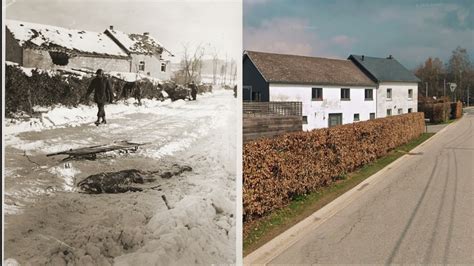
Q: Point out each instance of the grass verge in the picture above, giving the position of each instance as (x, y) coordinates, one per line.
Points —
(258, 232)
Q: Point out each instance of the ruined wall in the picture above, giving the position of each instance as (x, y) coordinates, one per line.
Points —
(13, 51)
(41, 59)
(94, 63)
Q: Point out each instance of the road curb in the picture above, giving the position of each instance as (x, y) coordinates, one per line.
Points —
(276, 246)
(436, 135)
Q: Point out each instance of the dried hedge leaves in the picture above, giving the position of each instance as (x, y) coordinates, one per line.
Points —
(276, 170)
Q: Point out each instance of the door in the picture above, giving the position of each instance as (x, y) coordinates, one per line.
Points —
(247, 93)
(334, 120)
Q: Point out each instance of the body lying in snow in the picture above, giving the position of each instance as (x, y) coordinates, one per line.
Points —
(126, 180)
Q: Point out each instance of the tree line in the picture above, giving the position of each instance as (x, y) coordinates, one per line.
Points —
(435, 76)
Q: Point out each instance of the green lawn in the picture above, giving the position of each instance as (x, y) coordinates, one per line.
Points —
(268, 227)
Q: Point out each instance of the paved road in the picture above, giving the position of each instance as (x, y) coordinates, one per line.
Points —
(419, 211)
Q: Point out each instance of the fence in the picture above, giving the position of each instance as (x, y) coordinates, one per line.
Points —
(272, 108)
(269, 119)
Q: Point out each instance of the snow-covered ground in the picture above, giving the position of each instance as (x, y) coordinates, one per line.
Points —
(49, 222)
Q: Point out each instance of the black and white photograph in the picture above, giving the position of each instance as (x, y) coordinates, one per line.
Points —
(120, 132)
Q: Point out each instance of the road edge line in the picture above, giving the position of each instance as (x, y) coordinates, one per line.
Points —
(288, 238)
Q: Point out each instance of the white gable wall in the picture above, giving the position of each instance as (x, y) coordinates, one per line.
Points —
(152, 66)
(317, 111)
(399, 98)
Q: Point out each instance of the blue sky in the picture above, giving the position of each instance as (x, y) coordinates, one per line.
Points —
(410, 30)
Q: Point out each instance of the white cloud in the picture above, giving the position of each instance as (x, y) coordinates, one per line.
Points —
(285, 35)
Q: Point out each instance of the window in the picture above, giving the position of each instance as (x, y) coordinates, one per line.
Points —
(410, 94)
(316, 94)
(369, 94)
(345, 94)
(141, 66)
(372, 116)
(356, 117)
(163, 67)
(400, 111)
(334, 120)
(389, 112)
(305, 119)
(410, 110)
(389, 94)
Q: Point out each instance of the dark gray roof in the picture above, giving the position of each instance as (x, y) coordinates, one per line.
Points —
(384, 69)
(295, 69)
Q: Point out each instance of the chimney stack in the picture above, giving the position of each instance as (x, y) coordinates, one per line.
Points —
(111, 27)
(390, 57)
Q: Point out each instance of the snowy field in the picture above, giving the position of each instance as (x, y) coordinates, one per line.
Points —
(186, 219)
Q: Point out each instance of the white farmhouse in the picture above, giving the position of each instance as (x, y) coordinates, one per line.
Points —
(397, 87)
(332, 91)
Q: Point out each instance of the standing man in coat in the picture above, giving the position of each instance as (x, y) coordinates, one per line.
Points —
(193, 90)
(102, 94)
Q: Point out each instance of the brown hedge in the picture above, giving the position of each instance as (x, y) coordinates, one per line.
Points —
(278, 169)
(437, 112)
(456, 110)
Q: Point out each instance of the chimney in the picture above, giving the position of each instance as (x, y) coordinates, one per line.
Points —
(111, 27)
(390, 57)
(362, 57)
(146, 33)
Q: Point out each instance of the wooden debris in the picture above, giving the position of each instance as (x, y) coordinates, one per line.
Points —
(92, 151)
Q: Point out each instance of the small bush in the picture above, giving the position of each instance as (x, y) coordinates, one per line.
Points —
(279, 169)
(456, 110)
(437, 112)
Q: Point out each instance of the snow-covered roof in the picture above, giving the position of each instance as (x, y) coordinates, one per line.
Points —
(59, 39)
(138, 43)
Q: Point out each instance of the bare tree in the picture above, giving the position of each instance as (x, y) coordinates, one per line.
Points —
(191, 65)
(233, 71)
(459, 67)
(431, 73)
(215, 65)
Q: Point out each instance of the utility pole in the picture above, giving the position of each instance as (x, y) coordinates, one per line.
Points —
(444, 87)
(426, 83)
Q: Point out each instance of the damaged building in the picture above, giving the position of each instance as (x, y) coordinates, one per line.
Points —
(49, 47)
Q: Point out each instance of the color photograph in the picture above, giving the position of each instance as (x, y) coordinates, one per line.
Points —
(357, 131)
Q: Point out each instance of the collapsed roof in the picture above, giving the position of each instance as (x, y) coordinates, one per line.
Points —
(137, 43)
(52, 38)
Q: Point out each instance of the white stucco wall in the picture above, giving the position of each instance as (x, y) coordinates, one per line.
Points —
(317, 111)
(152, 66)
(399, 98)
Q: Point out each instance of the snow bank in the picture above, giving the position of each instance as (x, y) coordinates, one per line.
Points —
(179, 236)
(132, 77)
(68, 173)
(61, 116)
